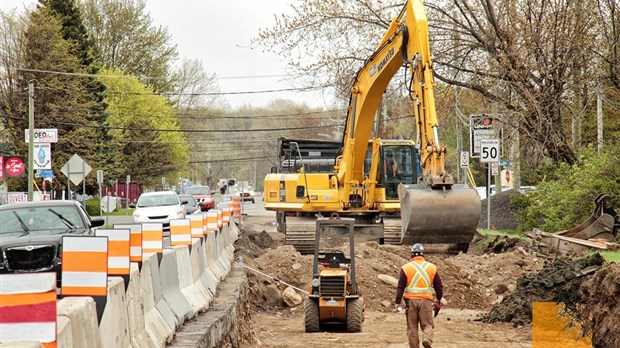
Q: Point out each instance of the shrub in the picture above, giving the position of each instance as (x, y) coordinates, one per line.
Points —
(565, 199)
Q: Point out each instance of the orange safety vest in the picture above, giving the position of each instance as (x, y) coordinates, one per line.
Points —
(420, 276)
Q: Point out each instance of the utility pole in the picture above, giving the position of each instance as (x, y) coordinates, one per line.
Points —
(599, 121)
(30, 138)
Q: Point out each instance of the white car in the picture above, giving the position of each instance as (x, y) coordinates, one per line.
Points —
(159, 206)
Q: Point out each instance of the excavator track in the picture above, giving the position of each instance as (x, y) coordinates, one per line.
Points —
(300, 232)
(391, 230)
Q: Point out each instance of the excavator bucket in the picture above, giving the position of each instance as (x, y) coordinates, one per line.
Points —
(604, 223)
(430, 216)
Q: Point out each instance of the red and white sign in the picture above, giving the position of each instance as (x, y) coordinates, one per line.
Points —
(43, 135)
(17, 197)
(13, 166)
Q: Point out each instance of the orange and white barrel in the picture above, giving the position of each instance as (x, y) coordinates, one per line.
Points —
(220, 218)
(195, 222)
(84, 266)
(180, 232)
(235, 205)
(118, 250)
(211, 221)
(28, 308)
(226, 212)
(135, 241)
(204, 223)
(152, 237)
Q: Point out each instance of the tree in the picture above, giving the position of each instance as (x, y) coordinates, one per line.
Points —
(125, 38)
(528, 57)
(12, 30)
(141, 120)
(61, 99)
(194, 86)
(75, 33)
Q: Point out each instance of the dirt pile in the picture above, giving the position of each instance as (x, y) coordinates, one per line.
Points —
(558, 282)
(253, 244)
(470, 281)
(503, 212)
(486, 244)
(601, 303)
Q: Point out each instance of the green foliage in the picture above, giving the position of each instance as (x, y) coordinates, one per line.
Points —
(93, 206)
(144, 129)
(565, 199)
(126, 38)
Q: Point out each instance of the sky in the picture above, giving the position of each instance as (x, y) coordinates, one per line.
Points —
(219, 33)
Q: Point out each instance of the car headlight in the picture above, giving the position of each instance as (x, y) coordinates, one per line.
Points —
(315, 282)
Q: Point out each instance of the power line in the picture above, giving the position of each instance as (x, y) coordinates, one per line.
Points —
(181, 130)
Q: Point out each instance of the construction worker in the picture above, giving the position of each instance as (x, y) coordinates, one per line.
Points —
(417, 280)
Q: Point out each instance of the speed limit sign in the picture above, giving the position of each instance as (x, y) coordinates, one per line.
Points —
(489, 150)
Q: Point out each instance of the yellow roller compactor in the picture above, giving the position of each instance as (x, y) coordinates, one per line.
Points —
(364, 183)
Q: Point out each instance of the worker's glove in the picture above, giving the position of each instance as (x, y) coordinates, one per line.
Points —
(436, 307)
(397, 308)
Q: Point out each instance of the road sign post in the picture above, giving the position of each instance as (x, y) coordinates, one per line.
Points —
(464, 161)
(489, 153)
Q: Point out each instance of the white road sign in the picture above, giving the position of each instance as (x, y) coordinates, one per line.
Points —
(42, 156)
(464, 159)
(489, 150)
(76, 169)
(483, 127)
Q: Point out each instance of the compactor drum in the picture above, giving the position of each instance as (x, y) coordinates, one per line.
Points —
(430, 216)
(334, 297)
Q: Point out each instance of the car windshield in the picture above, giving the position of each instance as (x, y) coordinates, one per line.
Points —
(191, 202)
(35, 220)
(198, 190)
(157, 200)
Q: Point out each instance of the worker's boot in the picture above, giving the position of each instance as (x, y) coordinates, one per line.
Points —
(427, 344)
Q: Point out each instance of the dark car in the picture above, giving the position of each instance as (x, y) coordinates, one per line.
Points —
(192, 205)
(31, 234)
(203, 195)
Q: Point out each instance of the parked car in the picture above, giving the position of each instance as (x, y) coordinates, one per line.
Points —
(247, 194)
(31, 234)
(203, 196)
(192, 206)
(160, 206)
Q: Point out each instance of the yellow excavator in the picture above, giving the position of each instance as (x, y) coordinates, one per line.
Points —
(433, 208)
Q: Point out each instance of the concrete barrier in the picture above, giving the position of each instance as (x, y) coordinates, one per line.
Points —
(207, 277)
(181, 308)
(186, 280)
(197, 271)
(160, 328)
(82, 316)
(217, 269)
(136, 310)
(114, 326)
(64, 336)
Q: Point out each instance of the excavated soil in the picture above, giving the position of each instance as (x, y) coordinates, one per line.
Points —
(557, 282)
(600, 312)
(495, 282)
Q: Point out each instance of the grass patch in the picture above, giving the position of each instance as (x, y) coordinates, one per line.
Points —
(509, 233)
(122, 212)
(610, 256)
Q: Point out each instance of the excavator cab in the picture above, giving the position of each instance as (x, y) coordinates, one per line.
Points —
(398, 163)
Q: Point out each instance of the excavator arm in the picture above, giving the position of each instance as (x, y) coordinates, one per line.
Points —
(405, 42)
(435, 210)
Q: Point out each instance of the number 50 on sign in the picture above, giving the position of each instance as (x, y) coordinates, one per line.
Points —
(489, 150)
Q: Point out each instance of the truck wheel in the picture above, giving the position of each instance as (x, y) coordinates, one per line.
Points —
(311, 316)
(355, 309)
